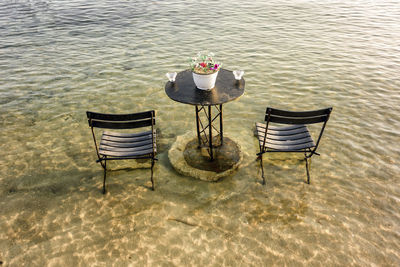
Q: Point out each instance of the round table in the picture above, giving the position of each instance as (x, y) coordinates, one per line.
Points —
(226, 89)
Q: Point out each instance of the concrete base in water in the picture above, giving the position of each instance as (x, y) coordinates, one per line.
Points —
(188, 159)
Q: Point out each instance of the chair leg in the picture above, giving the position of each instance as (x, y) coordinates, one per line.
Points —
(262, 168)
(308, 169)
(152, 181)
(105, 174)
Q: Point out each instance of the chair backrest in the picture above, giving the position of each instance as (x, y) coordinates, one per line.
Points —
(121, 121)
(297, 117)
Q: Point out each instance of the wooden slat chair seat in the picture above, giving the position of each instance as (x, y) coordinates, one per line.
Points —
(293, 138)
(121, 146)
(285, 139)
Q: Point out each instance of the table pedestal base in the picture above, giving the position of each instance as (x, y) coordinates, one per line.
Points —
(225, 157)
(188, 159)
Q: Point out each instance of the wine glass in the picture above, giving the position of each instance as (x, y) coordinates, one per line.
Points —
(171, 76)
(238, 74)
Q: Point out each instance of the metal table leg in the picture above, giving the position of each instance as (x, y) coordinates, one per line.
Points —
(210, 133)
(204, 139)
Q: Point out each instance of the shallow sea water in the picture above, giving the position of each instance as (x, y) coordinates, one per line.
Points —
(61, 58)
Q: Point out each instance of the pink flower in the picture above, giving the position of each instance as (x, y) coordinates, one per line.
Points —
(215, 67)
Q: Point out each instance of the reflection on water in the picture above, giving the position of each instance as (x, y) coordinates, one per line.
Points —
(61, 58)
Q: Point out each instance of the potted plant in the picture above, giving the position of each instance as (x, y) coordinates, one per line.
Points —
(205, 70)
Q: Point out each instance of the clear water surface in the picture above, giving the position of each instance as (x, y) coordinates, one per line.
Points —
(59, 58)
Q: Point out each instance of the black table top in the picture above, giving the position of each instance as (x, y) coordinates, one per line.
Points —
(185, 91)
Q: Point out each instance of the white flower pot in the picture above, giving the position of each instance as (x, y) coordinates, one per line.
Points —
(205, 81)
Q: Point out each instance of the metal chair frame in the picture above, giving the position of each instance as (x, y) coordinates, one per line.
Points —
(132, 146)
(301, 119)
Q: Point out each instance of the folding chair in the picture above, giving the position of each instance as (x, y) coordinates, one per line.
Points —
(292, 138)
(120, 145)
